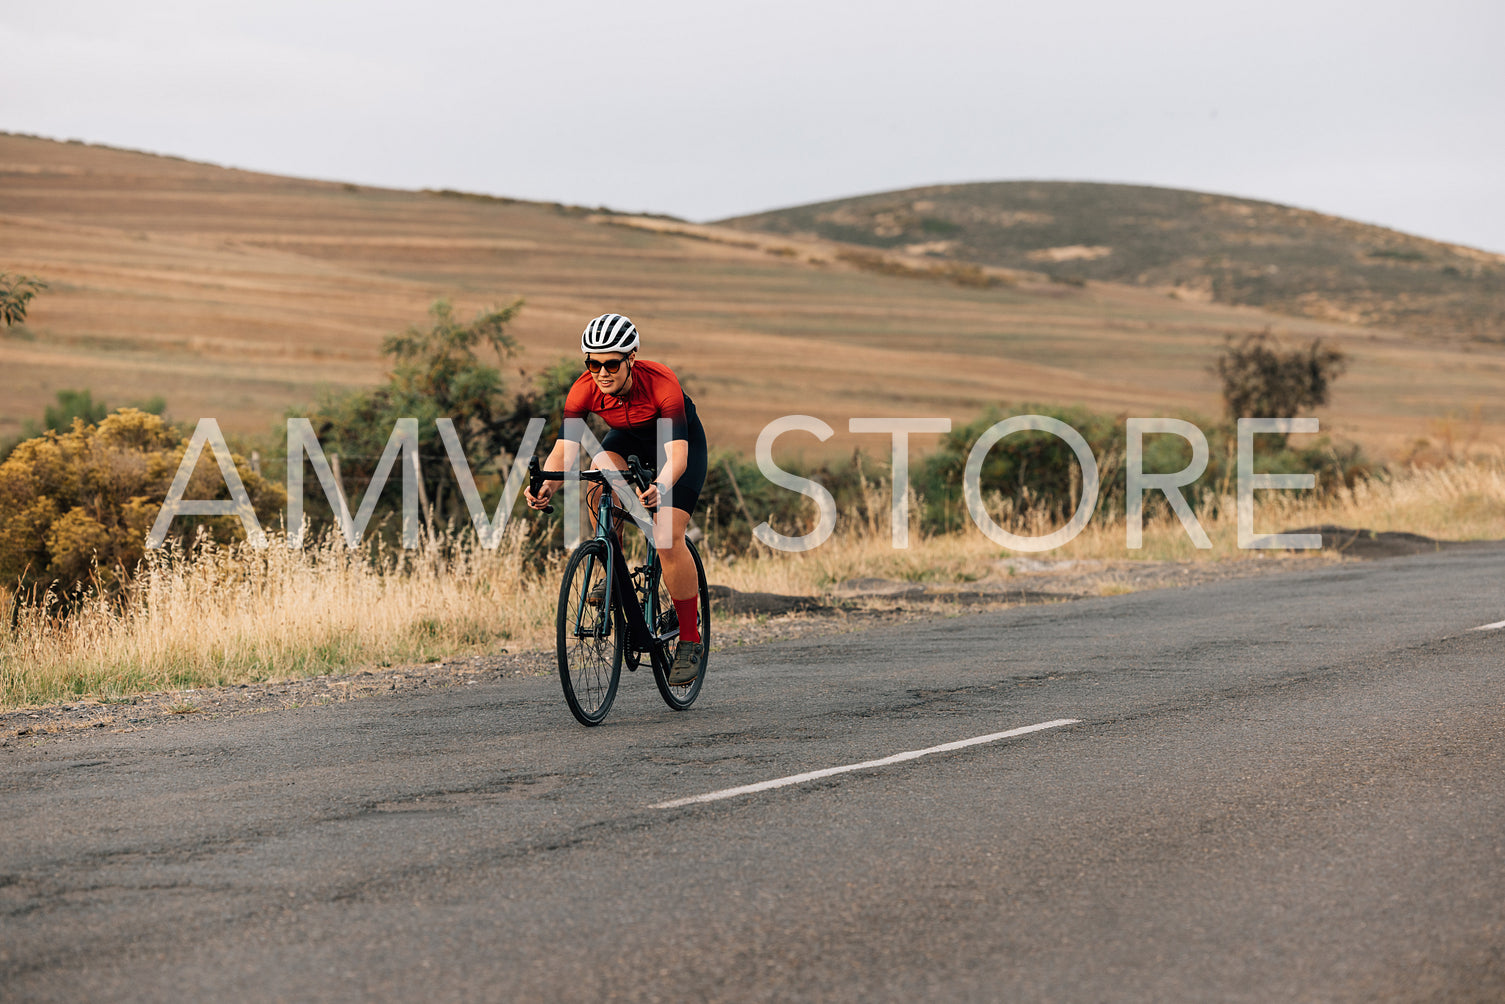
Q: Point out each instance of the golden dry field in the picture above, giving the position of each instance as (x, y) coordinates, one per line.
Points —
(237, 295)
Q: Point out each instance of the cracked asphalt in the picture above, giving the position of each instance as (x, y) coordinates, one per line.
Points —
(1286, 787)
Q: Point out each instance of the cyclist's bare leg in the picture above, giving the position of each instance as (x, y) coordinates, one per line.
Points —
(683, 585)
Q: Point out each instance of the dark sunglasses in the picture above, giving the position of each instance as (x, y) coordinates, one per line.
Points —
(610, 365)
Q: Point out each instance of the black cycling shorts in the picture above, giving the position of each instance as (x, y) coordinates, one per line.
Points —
(641, 441)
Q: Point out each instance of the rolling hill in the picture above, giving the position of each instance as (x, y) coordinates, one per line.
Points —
(237, 295)
(1191, 244)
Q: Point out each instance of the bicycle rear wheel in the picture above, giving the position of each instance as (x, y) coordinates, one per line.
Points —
(681, 697)
(589, 638)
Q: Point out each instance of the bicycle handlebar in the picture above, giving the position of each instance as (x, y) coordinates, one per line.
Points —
(637, 475)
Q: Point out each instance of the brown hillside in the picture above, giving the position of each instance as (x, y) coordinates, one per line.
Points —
(1195, 244)
(237, 294)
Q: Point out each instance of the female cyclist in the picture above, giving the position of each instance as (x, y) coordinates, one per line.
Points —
(631, 395)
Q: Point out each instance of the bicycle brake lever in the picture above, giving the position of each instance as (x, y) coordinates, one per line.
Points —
(535, 479)
(639, 472)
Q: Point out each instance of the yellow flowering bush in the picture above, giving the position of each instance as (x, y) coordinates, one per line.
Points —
(76, 506)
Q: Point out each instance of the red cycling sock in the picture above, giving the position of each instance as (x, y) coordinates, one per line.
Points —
(689, 618)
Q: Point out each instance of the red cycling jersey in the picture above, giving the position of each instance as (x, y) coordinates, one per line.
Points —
(655, 393)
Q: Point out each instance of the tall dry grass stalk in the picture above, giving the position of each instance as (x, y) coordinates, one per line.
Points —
(228, 615)
(238, 614)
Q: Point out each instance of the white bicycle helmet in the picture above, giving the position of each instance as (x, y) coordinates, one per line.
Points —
(609, 333)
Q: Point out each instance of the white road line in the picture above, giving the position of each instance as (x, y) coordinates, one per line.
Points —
(780, 782)
(1497, 625)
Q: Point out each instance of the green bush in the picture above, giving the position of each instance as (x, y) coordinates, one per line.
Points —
(71, 405)
(1038, 472)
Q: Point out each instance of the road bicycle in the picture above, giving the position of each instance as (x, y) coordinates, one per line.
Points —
(610, 613)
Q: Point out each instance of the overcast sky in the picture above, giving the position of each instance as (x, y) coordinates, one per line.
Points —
(1385, 112)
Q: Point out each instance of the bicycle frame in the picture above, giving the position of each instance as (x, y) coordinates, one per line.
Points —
(621, 594)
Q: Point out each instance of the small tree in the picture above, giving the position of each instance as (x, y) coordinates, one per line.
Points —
(1262, 379)
(438, 370)
(16, 292)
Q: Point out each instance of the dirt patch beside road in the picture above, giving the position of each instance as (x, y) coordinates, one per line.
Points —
(1371, 544)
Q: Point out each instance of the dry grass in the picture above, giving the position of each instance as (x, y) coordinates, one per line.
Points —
(238, 614)
(230, 615)
(1464, 500)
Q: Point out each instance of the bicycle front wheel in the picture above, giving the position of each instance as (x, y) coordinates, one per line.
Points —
(590, 638)
(682, 696)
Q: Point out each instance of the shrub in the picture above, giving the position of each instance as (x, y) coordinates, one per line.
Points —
(1262, 379)
(968, 275)
(1402, 254)
(16, 291)
(73, 404)
(1035, 472)
(1032, 471)
(960, 273)
(77, 506)
(439, 370)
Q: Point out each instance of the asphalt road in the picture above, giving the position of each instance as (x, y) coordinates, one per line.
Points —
(1280, 788)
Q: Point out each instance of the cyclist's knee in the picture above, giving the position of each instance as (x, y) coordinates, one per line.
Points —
(668, 538)
(676, 520)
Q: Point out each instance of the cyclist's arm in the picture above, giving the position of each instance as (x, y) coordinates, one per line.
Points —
(676, 459)
(671, 405)
(564, 454)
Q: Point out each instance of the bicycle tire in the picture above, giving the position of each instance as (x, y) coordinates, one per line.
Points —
(681, 697)
(590, 661)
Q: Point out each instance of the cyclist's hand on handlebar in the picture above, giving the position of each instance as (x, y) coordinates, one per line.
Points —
(649, 496)
(541, 499)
